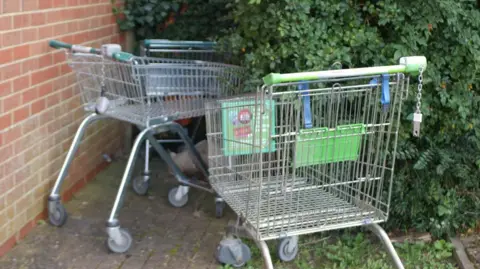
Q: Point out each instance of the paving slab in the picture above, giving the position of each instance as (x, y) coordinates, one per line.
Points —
(164, 236)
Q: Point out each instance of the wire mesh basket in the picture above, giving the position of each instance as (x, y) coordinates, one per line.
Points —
(308, 155)
(144, 90)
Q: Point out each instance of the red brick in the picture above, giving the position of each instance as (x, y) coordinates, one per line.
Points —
(39, 48)
(45, 61)
(26, 230)
(44, 89)
(59, 3)
(5, 153)
(29, 5)
(11, 38)
(44, 75)
(44, 4)
(30, 125)
(72, 2)
(6, 23)
(29, 35)
(38, 106)
(21, 83)
(53, 100)
(10, 71)
(5, 121)
(45, 32)
(59, 57)
(12, 102)
(60, 29)
(29, 65)
(21, 52)
(10, 6)
(21, 21)
(37, 19)
(67, 93)
(5, 88)
(9, 244)
(47, 117)
(65, 69)
(21, 114)
(14, 194)
(29, 95)
(12, 135)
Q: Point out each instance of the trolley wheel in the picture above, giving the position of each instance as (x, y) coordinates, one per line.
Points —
(57, 215)
(124, 246)
(284, 254)
(174, 201)
(140, 184)
(233, 252)
(219, 207)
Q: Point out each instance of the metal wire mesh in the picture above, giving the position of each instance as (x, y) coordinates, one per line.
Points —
(208, 54)
(287, 173)
(147, 89)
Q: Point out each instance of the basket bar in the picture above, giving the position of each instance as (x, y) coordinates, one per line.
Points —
(119, 56)
(410, 65)
(165, 43)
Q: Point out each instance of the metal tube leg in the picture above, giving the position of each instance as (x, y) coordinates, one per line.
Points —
(146, 170)
(175, 127)
(55, 193)
(112, 221)
(176, 171)
(262, 245)
(380, 232)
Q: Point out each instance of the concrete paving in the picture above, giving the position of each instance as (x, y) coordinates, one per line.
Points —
(164, 237)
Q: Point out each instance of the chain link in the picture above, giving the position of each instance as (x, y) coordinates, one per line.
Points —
(420, 88)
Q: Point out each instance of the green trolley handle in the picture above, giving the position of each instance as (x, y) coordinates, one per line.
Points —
(411, 65)
(119, 56)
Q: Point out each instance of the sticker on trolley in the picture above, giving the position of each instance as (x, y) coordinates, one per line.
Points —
(245, 127)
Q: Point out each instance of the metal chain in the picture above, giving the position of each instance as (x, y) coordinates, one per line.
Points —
(420, 88)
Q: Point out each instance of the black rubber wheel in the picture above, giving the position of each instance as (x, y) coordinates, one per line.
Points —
(58, 215)
(282, 250)
(140, 185)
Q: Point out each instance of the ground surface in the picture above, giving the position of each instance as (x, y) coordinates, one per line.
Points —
(164, 237)
(167, 237)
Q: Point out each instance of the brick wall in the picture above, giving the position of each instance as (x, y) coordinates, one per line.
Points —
(40, 108)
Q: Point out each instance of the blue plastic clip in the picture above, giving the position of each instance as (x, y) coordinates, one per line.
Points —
(385, 92)
(306, 105)
(385, 99)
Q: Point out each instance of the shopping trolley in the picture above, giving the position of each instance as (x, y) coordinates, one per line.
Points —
(186, 50)
(308, 152)
(147, 92)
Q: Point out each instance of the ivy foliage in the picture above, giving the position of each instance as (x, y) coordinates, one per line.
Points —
(173, 19)
(437, 177)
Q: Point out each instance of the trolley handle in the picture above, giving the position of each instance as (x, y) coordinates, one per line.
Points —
(119, 56)
(409, 65)
(74, 48)
(165, 43)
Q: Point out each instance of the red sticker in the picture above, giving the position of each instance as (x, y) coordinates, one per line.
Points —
(244, 116)
(242, 131)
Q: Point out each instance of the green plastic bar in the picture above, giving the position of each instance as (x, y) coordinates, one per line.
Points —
(122, 56)
(409, 65)
(165, 43)
(74, 48)
(59, 44)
